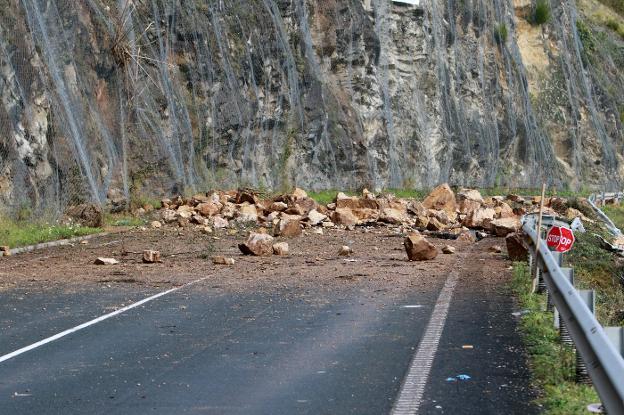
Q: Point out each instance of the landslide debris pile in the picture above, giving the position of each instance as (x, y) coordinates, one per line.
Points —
(441, 212)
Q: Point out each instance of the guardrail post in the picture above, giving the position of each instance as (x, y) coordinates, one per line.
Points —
(589, 298)
(569, 274)
(616, 335)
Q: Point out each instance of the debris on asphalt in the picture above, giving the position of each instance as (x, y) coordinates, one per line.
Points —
(105, 261)
(448, 249)
(221, 260)
(5, 251)
(418, 248)
(345, 250)
(496, 249)
(280, 248)
(155, 224)
(258, 244)
(151, 257)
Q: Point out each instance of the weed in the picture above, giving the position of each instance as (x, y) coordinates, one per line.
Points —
(123, 220)
(552, 364)
(541, 13)
(20, 233)
(500, 33)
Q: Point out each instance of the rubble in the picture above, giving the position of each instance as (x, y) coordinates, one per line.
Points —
(105, 261)
(517, 249)
(418, 248)
(258, 244)
(5, 251)
(345, 250)
(280, 248)
(448, 249)
(221, 260)
(151, 257)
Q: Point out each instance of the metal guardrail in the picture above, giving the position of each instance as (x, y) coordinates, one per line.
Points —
(601, 198)
(603, 362)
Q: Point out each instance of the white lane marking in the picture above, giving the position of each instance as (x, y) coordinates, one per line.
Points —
(413, 388)
(94, 321)
(413, 306)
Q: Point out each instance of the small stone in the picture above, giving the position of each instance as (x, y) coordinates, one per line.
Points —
(151, 257)
(315, 217)
(84, 242)
(497, 249)
(106, 261)
(247, 213)
(221, 260)
(448, 249)
(278, 207)
(208, 208)
(169, 215)
(280, 248)
(418, 248)
(219, 223)
(206, 230)
(345, 250)
(299, 194)
(328, 224)
(258, 244)
(156, 224)
(317, 231)
(288, 226)
(5, 251)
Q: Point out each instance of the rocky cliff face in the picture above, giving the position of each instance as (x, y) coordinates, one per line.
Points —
(156, 96)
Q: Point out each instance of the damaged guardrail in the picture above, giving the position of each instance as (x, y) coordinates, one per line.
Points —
(603, 362)
(602, 198)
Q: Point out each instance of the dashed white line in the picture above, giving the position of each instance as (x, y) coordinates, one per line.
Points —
(94, 321)
(413, 388)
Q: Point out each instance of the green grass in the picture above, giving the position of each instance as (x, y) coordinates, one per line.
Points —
(541, 13)
(552, 364)
(616, 214)
(123, 220)
(21, 233)
(500, 33)
(328, 196)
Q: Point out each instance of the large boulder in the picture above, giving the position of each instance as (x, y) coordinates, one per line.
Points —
(505, 226)
(344, 216)
(470, 194)
(287, 226)
(88, 214)
(258, 244)
(479, 218)
(441, 198)
(208, 208)
(393, 216)
(315, 217)
(503, 210)
(418, 248)
(247, 213)
(517, 248)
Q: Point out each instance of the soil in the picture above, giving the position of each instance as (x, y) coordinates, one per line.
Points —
(378, 262)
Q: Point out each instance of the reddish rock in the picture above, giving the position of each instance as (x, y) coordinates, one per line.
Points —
(208, 209)
(258, 244)
(418, 248)
(287, 226)
(435, 225)
(394, 216)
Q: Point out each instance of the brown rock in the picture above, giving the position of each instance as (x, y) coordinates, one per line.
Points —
(440, 215)
(150, 257)
(435, 225)
(169, 215)
(88, 214)
(416, 208)
(208, 209)
(5, 251)
(517, 248)
(421, 221)
(299, 194)
(247, 213)
(229, 211)
(155, 224)
(394, 216)
(105, 261)
(258, 244)
(183, 222)
(505, 226)
(278, 207)
(448, 249)
(466, 236)
(477, 218)
(470, 194)
(221, 260)
(246, 196)
(468, 206)
(344, 216)
(280, 248)
(345, 250)
(288, 226)
(206, 230)
(315, 217)
(496, 249)
(441, 198)
(357, 203)
(503, 210)
(418, 248)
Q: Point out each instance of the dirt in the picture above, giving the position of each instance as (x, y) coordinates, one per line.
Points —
(378, 262)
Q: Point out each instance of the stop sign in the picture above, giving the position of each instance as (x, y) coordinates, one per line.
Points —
(560, 238)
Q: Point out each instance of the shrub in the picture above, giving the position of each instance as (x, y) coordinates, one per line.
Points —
(541, 13)
(500, 34)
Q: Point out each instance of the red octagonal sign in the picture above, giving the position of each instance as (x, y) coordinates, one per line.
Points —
(560, 238)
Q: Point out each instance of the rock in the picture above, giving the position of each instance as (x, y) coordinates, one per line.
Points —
(341, 196)
(150, 257)
(5, 251)
(106, 261)
(221, 260)
(278, 207)
(503, 210)
(229, 210)
(247, 213)
(220, 223)
(517, 248)
(470, 194)
(156, 224)
(183, 222)
(246, 196)
(418, 248)
(301, 207)
(440, 215)
(416, 208)
(366, 194)
(467, 206)
(496, 249)
(199, 219)
(287, 226)
(331, 206)
(394, 216)
(344, 216)
(572, 213)
(505, 226)
(299, 194)
(466, 236)
(280, 248)
(169, 216)
(317, 231)
(166, 203)
(480, 235)
(448, 249)
(258, 244)
(314, 217)
(515, 198)
(421, 222)
(208, 209)
(477, 218)
(435, 225)
(365, 210)
(441, 198)
(206, 230)
(345, 250)
(328, 224)
(87, 214)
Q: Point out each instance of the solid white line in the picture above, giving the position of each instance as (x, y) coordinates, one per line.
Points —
(94, 321)
(413, 388)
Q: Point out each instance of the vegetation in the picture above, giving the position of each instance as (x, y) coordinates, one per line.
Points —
(500, 33)
(616, 5)
(541, 13)
(21, 233)
(552, 364)
(119, 219)
(616, 214)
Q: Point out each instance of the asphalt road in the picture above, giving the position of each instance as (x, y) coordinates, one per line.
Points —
(204, 350)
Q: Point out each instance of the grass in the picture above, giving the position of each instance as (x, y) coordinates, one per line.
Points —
(123, 220)
(616, 214)
(21, 233)
(541, 13)
(500, 33)
(552, 364)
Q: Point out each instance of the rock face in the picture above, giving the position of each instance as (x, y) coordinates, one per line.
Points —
(418, 248)
(325, 94)
(258, 244)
